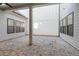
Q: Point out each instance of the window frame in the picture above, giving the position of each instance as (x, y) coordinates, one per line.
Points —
(20, 27)
(9, 25)
(68, 25)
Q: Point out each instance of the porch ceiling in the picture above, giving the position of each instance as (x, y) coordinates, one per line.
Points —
(23, 5)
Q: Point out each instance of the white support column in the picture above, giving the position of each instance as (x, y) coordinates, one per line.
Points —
(30, 25)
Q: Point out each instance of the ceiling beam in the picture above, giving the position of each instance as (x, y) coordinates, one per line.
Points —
(9, 5)
(19, 14)
(25, 6)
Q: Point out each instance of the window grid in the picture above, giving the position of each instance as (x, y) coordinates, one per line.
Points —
(14, 26)
(67, 28)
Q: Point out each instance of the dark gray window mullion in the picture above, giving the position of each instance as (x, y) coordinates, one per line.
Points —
(66, 24)
(73, 22)
(62, 27)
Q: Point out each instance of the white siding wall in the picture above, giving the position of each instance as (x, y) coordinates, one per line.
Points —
(65, 9)
(76, 25)
(3, 25)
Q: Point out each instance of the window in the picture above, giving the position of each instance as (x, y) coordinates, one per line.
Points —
(10, 26)
(61, 26)
(66, 24)
(17, 26)
(70, 24)
(21, 26)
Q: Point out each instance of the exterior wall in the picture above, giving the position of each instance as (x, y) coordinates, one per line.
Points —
(3, 25)
(65, 9)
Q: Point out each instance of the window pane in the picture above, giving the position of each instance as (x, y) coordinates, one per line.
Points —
(22, 27)
(70, 19)
(70, 25)
(61, 28)
(70, 30)
(10, 26)
(17, 26)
